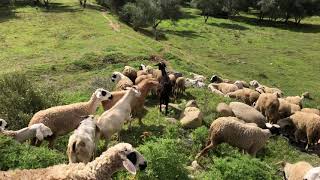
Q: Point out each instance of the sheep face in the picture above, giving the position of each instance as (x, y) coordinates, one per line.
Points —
(3, 124)
(215, 79)
(42, 131)
(131, 158)
(313, 174)
(116, 77)
(135, 90)
(254, 83)
(103, 94)
(142, 67)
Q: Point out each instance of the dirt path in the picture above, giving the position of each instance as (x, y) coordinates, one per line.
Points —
(114, 26)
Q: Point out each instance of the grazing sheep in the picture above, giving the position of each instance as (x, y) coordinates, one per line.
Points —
(230, 130)
(118, 157)
(82, 143)
(194, 83)
(165, 89)
(64, 119)
(286, 109)
(214, 90)
(198, 77)
(180, 86)
(264, 89)
(296, 99)
(311, 110)
(112, 120)
(122, 81)
(305, 125)
(130, 72)
(225, 87)
(224, 110)
(268, 104)
(312, 174)
(296, 171)
(137, 105)
(39, 131)
(245, 95)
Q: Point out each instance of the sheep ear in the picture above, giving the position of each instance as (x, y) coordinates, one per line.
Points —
(129, 166)
(39, 134)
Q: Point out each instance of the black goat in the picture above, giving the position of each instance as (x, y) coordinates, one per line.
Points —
(165, 89)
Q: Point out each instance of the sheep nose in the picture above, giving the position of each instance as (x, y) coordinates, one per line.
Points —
(111, 97)
(143, 166)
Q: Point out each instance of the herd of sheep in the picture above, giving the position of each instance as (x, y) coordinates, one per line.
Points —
(262, 112)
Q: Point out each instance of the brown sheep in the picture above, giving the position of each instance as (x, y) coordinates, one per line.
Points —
(225, 87)
(268, 104)
(311, 110)
(130, 72)
(245, 95)
(296, 171)
(286, 109)
(180, 86)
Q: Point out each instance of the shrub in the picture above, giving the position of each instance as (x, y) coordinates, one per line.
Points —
(23, 156)
(20, 99)
(166, 159)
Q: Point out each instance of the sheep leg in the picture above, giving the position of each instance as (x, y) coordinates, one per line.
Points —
(51, 140)
(84, 3)
(205, 150)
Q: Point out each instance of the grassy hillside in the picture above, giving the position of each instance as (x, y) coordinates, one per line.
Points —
(76, 50)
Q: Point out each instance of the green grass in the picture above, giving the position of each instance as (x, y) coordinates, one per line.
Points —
(75, 50)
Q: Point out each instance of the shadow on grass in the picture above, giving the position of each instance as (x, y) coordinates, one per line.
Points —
(229, 26)
(290, 26)
(60, 8)
(135, 137)
(183, 33)
(7, 13)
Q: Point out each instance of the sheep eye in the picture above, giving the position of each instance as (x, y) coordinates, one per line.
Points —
(103, 93)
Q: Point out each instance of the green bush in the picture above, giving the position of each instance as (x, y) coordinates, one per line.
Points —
(23, 156)
(20, 99)
(166, 159)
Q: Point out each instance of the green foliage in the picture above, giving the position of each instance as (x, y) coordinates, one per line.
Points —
(20, 99)
(166, 159)
(23, 156)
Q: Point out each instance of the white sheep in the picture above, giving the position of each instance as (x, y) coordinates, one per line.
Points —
(236, 133)
(296, 171)
(39, 131)
(118, 157)
(82, 143)
(265, 89)
(296, 99)
(198, 77)
(194, 83)
(312, 174)
(214, 90)
(246, 95)
(112, 120)
(64, 119)
(225, 87)
(122, 81)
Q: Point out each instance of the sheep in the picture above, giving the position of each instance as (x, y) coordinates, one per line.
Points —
(198, 77)
(130, 72)
(214, 90)
(142, 77)
(225, 87)
(296, 99)
(172, 78)
(39, 131)
(64, 119)
(138, 105)
(311, 110)
(82, 143)
(194, 83)
(305, 125)
(217, 79)
(121, 80)
(268, 104)
(246, 95)
(224, 110)
(230, 130)
(312, 174)
(118, 157)
(264, 89)
(142, 70)
(165, 89)
(112, 120)
(286, 109)
(180, 86)
(295, 171)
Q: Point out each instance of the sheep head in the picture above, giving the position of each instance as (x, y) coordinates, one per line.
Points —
(135, 90)
(42, 131)
(3, 124)
(103, 94)
(131, 159)
(215, 79)
(116, 76)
